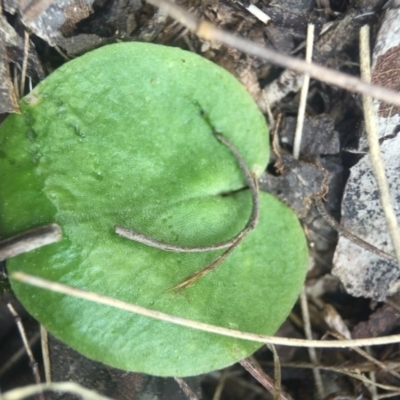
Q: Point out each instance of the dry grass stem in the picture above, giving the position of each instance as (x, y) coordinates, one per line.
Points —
(252, 367)
(374, 151)
(277, 372)
(186, 389)
(276, 148)
(350, 236)
(303, 95)
(64, 387)
(388, 395)
(45, 354)
(33, 363)
(254, 337)
(24, 63)
(16, 357)
(221, 384)
(62, 54)
(15, 81)
(311, 351)
(29, 240)
(266, 107)
(369, 357)
(348, 367)
(352, 372)
(209, 32)
(190, 280)
(372, 388)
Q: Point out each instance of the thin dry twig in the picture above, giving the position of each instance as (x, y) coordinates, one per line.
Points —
(303, 95)
(221, 384)
(251, 182)
(388, 395)
(45, 353)
(334, 320)
(16, 357)
(311, 351)
(372, 388)
(33, 363)
(254, 337)
(367, 381)
(64, 387)
(252, 367)
(277, 373)
(378, 167)
(348, 235)
(185, 388)
(190, 280)
(352, 372)
(24, 63)
(232, 243)
(29, 240)
(368, 356)
(207, 31)
(15, 83)
(359, 366)
(276, 148)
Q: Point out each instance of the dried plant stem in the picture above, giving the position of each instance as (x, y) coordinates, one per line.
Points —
(207, 31)
(44, 336)
(311, 351)
(15, 82)
(374, 151)
(64, 387)
(368, 356)
(303, 95)
(29, 240)
(352, 372)
(372, 388)
(24, 63)
(251, 224)
(252, 367)
(221, 384)
(350, 236)
(186, 389)
(209, 268)
(133, 308)
(16, 357)
(388, 395)
(33, 363)
(277, 372)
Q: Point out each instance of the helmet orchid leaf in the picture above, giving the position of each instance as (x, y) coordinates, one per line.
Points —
(161, 144)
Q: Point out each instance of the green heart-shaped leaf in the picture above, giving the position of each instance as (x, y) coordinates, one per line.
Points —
(124, 136)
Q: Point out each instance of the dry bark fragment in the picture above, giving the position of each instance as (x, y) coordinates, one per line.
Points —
(8, 99)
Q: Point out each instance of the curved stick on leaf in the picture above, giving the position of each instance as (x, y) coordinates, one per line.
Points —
(251, 182)
(208, 268)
